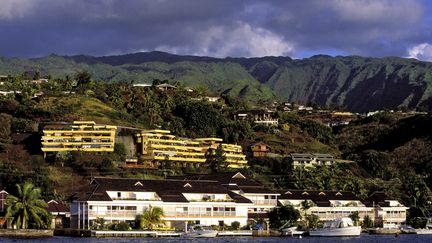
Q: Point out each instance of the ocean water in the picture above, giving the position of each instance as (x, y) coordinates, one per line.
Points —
(363, 238)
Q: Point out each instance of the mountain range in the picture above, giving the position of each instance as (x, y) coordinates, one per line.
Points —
(356, 83)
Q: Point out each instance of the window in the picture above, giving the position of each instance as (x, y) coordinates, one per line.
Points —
(118, 194)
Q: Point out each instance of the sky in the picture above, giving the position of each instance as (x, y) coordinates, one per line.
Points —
(218, 28)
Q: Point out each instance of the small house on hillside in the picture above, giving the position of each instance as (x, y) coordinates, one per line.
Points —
(166, 87)
(260, 149)
(308, 160)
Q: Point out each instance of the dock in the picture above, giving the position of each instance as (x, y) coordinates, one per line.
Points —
(235, 233)
(134, 233)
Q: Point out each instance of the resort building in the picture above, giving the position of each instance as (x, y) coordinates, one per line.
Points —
(159, 146)
(263, 198)
(78, 136)
(183, 201)
(388, 211)
(327, 205)
(218, 199)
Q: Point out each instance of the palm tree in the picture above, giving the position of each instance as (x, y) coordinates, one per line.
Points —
(152, 216)
(304, 206)
(27, 206)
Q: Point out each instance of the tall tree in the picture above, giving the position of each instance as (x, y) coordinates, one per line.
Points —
(27, 207)
(283, 216)
(215, 159)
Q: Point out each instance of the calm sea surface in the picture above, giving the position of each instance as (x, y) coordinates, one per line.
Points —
(363, 238)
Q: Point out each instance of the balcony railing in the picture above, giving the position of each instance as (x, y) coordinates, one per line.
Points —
(113, 213)
(265, 202)
(200, 214)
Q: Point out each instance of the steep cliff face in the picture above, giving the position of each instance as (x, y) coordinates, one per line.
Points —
(356, 83)
(359, 84)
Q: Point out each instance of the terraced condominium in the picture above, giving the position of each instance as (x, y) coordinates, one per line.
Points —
(157, 146)
(79, 136)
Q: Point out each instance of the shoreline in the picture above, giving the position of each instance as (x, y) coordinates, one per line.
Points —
(26, 233)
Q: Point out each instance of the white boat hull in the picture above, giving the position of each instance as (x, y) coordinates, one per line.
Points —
(423, 231)
(203, 234)
(347, 231)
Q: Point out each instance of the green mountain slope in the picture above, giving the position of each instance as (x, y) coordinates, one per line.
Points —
(356, 83)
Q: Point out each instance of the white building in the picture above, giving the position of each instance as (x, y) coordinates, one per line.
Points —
(204, 202)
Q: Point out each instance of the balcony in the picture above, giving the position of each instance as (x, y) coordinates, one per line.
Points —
(195, 214)
(113, 213)
(265, 202)
(136, 199)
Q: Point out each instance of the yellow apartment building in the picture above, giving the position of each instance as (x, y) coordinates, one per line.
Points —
(156, 146)
(78, 136)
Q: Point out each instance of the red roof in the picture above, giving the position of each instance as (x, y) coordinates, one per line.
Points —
(55, 207)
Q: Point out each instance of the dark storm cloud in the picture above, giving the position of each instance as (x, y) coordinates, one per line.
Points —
(214, 27)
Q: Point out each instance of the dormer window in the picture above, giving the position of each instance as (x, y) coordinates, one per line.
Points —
(305, 193)
(321, 193)
(288, 192)
(138, 184)
(187, 185)
(338, 194)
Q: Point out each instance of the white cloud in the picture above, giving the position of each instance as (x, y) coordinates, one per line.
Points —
(241, 40)
(10, 9)
(421, 52)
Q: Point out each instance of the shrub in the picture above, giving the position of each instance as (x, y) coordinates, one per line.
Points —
(122, 226)
(235, 225)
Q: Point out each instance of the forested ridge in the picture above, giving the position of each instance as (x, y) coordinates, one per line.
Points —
(352, 82)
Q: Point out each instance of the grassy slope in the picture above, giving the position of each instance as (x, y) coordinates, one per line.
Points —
(87, 108)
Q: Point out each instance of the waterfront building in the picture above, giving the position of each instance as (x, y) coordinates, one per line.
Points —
(388, 211)
(263, 198)
(218, 199)
(78, 136)
(115, 200)
(327, 205)
(60, 214)
(159, 146)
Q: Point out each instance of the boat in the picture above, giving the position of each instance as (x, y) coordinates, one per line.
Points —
(201, 231)
(427, 230)
(387, 229)
(337, 227)
(292, 231)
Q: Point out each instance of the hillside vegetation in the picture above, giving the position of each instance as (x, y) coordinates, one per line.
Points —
(391, 151)
(355, 83)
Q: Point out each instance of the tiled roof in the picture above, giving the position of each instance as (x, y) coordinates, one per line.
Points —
(169, 190)
(233, 181)
(377, 199)
(320, 198)
(55, 207)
